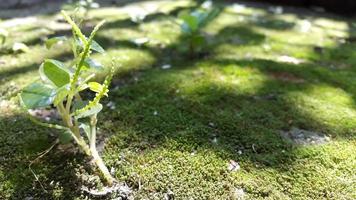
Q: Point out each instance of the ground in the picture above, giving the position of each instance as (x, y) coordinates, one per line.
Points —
(207, 127)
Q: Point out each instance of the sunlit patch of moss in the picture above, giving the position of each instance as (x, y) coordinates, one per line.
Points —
(332, 109)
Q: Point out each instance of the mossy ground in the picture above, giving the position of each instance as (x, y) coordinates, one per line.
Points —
(176, 130)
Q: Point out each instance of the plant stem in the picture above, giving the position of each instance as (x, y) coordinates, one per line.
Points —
(97, 159)
(73, 129)
(102, 167)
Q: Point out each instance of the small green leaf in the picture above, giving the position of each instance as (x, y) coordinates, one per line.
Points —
(93, 64)
(191, 22)
(65, 137)
(82, 87)
(91, 111)
(95, 86)
(86, 129)
(185, 28)
(61, 94)
(200, 16)
(96, 47)
(52, 41)
(37, 95)
(79, 104)
(55, 72)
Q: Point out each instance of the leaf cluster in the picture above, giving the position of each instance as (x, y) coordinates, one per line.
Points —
(61, 84)
(192, 23)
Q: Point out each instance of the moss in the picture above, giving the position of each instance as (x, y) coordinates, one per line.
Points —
(176, 130)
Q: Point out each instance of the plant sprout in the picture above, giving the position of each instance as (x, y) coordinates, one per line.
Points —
(60, 86)
(192, 24)
(82, 7)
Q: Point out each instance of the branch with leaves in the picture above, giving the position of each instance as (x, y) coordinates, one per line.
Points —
(61, 86)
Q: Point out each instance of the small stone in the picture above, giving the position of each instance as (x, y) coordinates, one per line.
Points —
(141, 41)
(155, 113)
(111, 105)
(215, 140)
(276, 10)
(207, 4)
(166, 66)
(112, 171)
(169, 195)
(239, 152)
(233, 166)
(289, 59)
(239, 194)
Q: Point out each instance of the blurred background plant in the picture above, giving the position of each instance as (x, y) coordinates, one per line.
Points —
(80, 9)
(192, 24)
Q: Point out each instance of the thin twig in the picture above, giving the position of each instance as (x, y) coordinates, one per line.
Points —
(43, 153)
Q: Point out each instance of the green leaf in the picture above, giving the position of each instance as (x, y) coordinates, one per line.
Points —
(82, 87)
(65, 137)
(93, 64)
(191, 22)
(185, 28)
(61, 94)
(52, 41)
(96, 47)
(95, 86)
(86, 129)
(37, 95)
(98, 88)
(79, 105)
(89, 112)
(55, 72)
(200, 16)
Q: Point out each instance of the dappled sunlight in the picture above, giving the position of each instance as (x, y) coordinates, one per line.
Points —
(174, 168)
(240, 80)
(191, 123)
(126, 60)
(330, 109)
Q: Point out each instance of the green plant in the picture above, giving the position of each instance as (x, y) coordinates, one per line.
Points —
(61, 86)
(192, 24)
(81, 8)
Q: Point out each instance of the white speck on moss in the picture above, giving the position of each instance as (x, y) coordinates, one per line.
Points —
(233, 166)
(166, 66)
(215, 140)
(239, 194)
